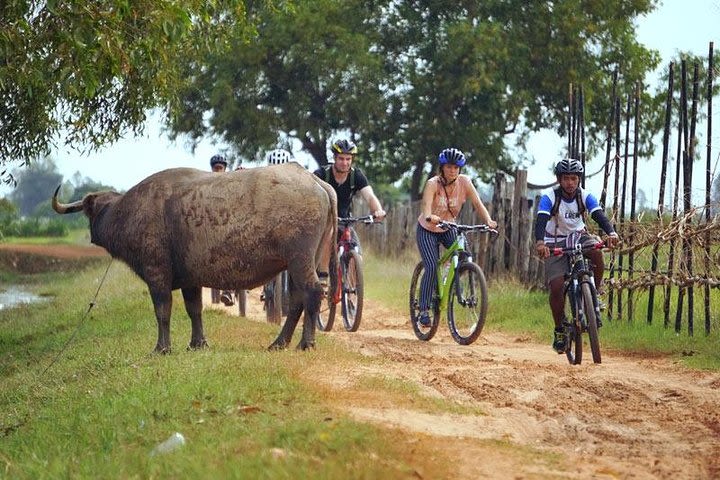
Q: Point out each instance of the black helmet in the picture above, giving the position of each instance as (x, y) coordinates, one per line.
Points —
(568, 166)
(343, 146)
(217, 159)
(452, 156)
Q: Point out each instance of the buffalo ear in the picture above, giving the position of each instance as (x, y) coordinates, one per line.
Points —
(89, 204)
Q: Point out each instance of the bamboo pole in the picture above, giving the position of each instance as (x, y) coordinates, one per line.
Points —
(606, 174)
(687, 197)
(681, 164)
(581, 132)
(708, 175)
(661, 196)
(571, 119)
(615, 200)
(623, 198)
(633, 195)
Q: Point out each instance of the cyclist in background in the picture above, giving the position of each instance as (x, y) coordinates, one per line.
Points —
(348, 180)
(277, 157)
(218, 164)
(562, 212)
(443, 197)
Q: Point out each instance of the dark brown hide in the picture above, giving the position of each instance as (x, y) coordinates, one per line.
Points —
(186, 228)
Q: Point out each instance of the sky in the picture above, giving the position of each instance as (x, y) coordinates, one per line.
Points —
(677, 25)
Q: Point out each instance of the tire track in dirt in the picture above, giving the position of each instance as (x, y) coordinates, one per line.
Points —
(627, 418)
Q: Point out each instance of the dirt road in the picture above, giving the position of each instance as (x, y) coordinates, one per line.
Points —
(535, 415)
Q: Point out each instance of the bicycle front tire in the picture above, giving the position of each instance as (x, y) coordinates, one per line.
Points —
(352, 291)
(468, 303)
(573, 332)
(422, 332)
(590, 317)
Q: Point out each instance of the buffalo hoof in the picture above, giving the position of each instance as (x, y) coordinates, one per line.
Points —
(277, 346)
(161, 350)
(198, 345)
(306, 346)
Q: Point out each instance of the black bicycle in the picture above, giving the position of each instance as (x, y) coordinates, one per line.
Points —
(350, 287)
(581, 300)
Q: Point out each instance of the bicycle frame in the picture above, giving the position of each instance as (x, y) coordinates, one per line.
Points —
(345, 244)
(452, 255)
(579, 268)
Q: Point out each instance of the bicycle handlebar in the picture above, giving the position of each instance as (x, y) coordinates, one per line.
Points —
(367, 219)
(558, 251)
(466, 228)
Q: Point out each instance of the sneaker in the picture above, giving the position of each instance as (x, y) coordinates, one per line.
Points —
(560, 341)
(226, 298)
(424, 319)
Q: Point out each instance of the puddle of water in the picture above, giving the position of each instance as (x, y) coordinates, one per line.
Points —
(13, 295)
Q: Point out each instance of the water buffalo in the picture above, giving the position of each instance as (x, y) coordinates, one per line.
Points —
(186, 228)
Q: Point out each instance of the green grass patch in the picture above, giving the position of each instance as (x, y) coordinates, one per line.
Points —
(101, 408)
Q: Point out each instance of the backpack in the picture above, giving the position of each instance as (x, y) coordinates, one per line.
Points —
(582, 210)
(326, 175)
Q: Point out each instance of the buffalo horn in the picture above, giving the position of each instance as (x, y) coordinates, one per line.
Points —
(65, 207)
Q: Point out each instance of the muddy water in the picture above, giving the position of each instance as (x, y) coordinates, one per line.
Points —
(14, 295)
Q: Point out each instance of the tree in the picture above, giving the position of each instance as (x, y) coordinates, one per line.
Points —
(35, 184)
(91, 70)
(308, 73)
(406, 79)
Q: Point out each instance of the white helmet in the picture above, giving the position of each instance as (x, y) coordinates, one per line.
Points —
(276, 157)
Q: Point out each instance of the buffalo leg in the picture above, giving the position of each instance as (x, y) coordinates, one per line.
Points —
(193, 306)
(295, 309)
(313, 299)
(162, 301)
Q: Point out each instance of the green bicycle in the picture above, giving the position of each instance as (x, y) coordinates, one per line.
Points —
(460, 290)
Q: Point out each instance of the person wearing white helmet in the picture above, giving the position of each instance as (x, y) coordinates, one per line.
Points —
(218, 164)
(278, 156)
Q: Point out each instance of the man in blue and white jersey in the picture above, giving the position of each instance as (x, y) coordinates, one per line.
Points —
(561, 213)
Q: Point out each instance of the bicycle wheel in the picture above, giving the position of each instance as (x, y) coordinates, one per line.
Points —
(591, 319)
(573, 333)
(328, 307)
(242, 301)
(273, 299)
(352, 291)
(468, 303)
(422, 332)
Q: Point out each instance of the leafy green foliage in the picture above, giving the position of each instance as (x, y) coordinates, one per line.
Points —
(406, 79)
(90, 70)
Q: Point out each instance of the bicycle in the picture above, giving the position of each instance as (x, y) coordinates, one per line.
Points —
(582, 300)
(460, 290)
(275, 298)
(349, 291)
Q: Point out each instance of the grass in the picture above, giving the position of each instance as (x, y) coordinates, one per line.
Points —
(107, 402)
(74, 237)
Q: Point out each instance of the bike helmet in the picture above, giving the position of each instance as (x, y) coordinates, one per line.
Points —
(278, 156)
(343, 146)
(569, 166)
(452, 156)
(217, 159)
